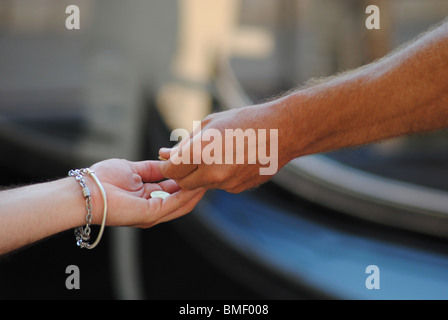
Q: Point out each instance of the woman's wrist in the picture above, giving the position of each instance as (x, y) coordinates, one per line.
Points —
(83, 233)
(70, 201)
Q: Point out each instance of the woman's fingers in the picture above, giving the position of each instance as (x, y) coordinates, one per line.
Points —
(149, 170)
(176, 205)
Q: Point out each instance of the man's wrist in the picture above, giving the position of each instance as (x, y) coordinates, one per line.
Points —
(295, 124)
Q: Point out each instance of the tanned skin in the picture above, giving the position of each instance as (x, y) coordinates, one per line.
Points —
(404, 93)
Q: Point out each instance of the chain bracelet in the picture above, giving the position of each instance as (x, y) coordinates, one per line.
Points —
(82, 234)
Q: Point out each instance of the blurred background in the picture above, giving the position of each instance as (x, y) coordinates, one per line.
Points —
(138, 69)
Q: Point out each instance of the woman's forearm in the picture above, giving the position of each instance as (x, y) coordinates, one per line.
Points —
(31, 213)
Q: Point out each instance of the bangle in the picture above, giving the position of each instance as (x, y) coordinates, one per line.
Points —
(82, 234)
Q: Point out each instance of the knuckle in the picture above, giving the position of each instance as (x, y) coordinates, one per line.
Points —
(136, 179)
(232, 191)
(218, 177)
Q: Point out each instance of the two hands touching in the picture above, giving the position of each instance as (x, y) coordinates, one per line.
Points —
(403, 93)
(258, 132)
(29, 214)
(128, 185)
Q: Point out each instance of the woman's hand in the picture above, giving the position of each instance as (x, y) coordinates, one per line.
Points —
(128, 187)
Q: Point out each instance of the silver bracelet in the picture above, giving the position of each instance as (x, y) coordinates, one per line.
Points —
(82, 234)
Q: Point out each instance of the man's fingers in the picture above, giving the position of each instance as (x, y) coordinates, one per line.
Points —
(181, 161)
(184, 154)
(194, 180)
(164, 154)
(176, 172)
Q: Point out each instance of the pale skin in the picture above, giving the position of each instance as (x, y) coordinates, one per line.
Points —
(34, 212)
(404, 93)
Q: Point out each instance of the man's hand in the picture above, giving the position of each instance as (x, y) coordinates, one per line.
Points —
(403, 93)
(249, 142)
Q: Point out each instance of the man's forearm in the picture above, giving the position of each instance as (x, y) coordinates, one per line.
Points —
(404, 93)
